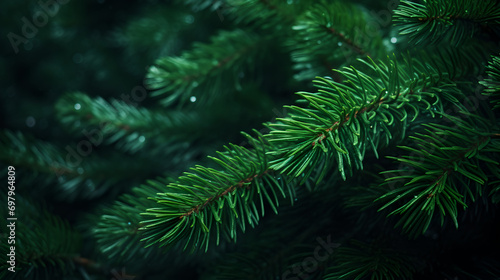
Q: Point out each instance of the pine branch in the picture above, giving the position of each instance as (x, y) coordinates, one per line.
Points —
(127, 126)
(117, 230)
(64, 173)
(447, 165)
(453, 21)
(492, 83)
(328, 151)
(205, 70)
(357, 108)
(328, 36)
(209, 203)
(343, 120)
(25, 151)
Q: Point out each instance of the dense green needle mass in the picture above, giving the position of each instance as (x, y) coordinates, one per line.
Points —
(256, 139)
(343, 120)
(492, 83)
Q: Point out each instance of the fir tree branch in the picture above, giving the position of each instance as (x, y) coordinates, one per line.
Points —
(129, 127)
(443, 20)
(64, 173)
(117, 229)
(492, 83)
(343, 120)
(346, 107)
(208, 202)
(206, 68)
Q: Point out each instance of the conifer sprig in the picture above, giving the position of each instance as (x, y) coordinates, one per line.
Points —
(22, 150)
(204, 71)
(64, 173)
(128, 126)
(455, 21)
(117, 231)
(343, 120)
(207, 202)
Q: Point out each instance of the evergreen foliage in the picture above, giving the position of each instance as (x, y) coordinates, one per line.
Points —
(209, 201)
(492, 83)
(385, 164)
(344, 119)
(123, 124)
(201, 71)
(46, 245)
(449, 166)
